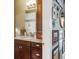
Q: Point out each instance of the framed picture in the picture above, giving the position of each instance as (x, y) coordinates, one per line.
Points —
(55, 36)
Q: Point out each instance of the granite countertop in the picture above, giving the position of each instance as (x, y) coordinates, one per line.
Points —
(32, 39)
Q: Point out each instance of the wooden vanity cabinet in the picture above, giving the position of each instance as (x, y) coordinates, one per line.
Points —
(27, 50)
(39, 20)
(21, 49)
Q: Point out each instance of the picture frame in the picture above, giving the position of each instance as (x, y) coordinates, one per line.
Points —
(55, 36)
(55, 40)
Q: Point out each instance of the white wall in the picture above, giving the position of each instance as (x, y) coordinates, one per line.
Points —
(47, 28)
(60, 2)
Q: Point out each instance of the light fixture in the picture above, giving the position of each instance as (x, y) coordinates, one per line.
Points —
(30, 2)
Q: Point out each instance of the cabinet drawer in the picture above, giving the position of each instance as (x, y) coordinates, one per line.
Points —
(36, 54)
(21, 42)
(36, 45)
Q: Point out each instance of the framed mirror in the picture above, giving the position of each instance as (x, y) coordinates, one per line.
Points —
(62, 20)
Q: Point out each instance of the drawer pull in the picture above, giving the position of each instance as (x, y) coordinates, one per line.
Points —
(20, 46)
(37, 54)
(37, 45)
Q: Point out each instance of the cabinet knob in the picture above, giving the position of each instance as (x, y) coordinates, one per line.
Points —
(37, 54)
(20, 46)
(37, 45)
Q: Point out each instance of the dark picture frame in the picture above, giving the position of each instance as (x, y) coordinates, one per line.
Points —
(55, 36)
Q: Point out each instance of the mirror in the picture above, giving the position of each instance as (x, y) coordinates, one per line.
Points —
(28, 18)
(25, 18)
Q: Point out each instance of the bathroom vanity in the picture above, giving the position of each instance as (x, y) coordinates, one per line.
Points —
(28, 29)
(27, 48)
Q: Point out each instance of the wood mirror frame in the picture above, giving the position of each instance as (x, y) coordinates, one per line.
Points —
(39, 20)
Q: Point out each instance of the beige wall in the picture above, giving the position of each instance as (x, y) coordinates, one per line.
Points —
(19, 10)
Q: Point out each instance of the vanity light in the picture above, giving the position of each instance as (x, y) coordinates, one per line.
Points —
(31, 6)
(30, 2)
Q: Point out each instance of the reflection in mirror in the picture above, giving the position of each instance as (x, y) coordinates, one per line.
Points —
(25, 18)
(30, 18)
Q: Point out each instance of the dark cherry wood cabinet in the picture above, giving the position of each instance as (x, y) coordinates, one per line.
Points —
(39, 19)
(27, 50)
(17, 52)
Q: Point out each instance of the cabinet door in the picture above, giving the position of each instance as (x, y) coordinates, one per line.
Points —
(36, 54)
(21, 50)
(39, 20)
(25, 52)
(18, 51)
